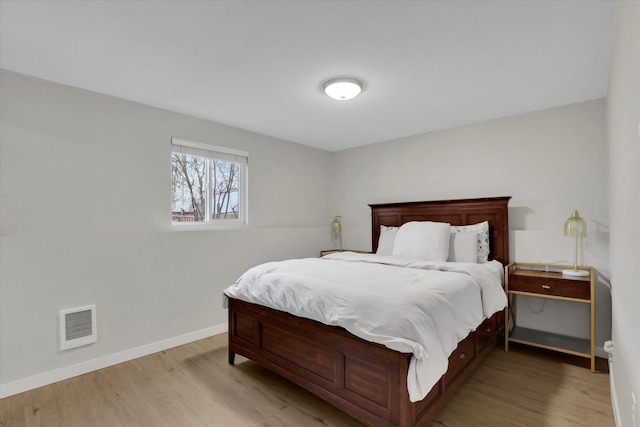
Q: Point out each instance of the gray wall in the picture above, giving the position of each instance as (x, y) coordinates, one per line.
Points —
(623, 111)
(550, 162)
(85, 219)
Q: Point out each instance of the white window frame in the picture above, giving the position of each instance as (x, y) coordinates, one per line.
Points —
(240, 157)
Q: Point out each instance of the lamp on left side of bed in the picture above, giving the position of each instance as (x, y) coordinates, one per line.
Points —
(336, 232)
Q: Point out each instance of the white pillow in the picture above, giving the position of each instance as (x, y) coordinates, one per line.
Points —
(463, 246)
(386, 239)
(425, 240)
(482, 228)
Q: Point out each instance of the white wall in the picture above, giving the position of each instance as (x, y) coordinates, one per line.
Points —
(85, 208)
(623, 110)
(550, 162)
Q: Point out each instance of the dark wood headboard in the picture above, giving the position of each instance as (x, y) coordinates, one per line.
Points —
(455, 212)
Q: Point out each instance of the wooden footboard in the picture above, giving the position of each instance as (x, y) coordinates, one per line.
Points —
(366, 380)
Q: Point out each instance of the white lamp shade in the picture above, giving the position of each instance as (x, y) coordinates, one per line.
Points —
(343, 89)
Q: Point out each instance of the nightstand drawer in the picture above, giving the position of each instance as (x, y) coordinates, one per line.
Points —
(555, 285)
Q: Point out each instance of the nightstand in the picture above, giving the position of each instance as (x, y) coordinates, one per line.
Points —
(330, 251)
(547, 281)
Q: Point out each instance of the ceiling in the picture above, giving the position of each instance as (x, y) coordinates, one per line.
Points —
(260, 65)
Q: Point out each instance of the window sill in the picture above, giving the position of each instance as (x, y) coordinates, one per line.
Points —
(208, 226)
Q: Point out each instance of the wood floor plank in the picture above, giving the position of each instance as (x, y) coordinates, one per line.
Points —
(193, 385)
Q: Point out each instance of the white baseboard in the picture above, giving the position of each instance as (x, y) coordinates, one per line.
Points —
(29, 383)
(614, 403)
(614, 397)
(609, 349)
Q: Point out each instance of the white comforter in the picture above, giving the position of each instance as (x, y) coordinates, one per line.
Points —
(412, 306)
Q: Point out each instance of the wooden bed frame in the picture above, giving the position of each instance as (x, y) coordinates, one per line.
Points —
(367, 380)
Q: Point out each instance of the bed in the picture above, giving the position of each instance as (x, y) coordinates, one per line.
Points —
(367, 380)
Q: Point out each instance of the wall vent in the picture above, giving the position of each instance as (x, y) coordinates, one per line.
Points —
(78, 327)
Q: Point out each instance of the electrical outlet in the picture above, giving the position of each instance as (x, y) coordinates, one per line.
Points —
(634, 410)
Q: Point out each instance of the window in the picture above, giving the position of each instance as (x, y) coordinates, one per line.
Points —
(208, 184)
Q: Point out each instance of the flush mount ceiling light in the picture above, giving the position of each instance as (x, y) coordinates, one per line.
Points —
(342, 88)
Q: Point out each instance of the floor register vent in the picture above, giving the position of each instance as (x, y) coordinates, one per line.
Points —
(77, 327)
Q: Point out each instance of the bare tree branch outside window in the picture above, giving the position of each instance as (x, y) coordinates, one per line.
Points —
(196, 181)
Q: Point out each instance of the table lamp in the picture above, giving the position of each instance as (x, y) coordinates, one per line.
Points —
(575, 226)
(336, 232)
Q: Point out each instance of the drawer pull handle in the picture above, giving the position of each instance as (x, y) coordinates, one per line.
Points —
(462, 356)
(546, 287)
(488, 329)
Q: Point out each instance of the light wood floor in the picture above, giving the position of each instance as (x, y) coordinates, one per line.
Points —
(193, 385)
